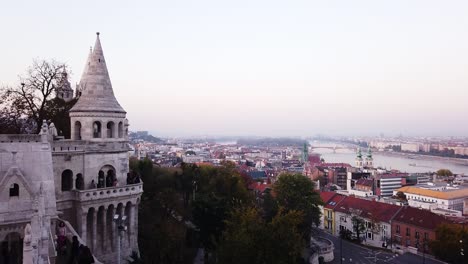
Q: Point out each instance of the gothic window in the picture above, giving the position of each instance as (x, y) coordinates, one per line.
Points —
(120, 130)
(67, 180)
(77, 135)
(97, 129)
(14, 190)
(110, 129)
(79, 182)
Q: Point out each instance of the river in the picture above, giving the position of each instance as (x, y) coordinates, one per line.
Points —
(397, 161)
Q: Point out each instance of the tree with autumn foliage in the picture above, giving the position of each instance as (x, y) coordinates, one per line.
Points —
(248, 238)
(450, 240)
(297, 192)
(24, 106)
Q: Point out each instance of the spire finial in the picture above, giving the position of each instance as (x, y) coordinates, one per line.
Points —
(97, 33)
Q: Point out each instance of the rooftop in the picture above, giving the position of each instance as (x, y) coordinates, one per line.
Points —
(369, 209)
(419, 217)
(97, 94)
(446, 194)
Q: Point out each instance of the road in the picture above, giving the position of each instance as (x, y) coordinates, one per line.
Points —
(353, 253)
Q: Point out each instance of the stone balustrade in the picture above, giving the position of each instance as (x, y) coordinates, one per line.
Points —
(324, 247)
(109, 192)
(70, 146)
(9, 138)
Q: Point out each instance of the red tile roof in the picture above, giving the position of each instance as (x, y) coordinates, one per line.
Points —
(258, 186)
(365, 182)
(419, 217)
(334, 165)
(369, 209)
(326, 196)
(334, 201)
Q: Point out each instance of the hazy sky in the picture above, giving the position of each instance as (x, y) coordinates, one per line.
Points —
(260, 67)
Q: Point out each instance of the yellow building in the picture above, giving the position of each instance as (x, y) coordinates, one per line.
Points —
(330, 200)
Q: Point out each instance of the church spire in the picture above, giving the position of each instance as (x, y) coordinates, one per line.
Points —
(97, 94)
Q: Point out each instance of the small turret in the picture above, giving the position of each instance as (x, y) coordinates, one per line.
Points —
(64, 90)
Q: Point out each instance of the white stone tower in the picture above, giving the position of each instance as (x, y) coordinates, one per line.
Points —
(97, 116)
(91, 169)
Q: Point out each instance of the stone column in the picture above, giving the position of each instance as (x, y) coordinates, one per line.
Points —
(135, 226)
(113, 232)
(94, 234)
(81, 221)
(104, 230)
(131, 225)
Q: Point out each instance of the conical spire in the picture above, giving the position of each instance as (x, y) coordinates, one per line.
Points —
(369, 153)
(97, 94)
(359, 153)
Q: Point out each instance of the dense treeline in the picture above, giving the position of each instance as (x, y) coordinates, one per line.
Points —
(205, 207)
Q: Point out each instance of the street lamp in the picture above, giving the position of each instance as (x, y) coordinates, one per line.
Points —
(341, 241)
(121, 224)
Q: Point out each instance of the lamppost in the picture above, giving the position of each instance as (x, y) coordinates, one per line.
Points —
(120, 221)
(462, 250)
(341, 241)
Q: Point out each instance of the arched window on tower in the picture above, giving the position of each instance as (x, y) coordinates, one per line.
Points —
(110, 129)
(77, 135)
(14, 190)
(97, 129)
(79, 182)
(67, 180)
(120, 130)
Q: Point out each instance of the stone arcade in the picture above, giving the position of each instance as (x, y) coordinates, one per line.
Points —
(82, 181)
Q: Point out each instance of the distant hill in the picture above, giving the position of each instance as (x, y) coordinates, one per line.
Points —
(143, 135)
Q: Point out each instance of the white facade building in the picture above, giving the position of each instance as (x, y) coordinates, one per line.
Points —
(388, 184)
(443, 197)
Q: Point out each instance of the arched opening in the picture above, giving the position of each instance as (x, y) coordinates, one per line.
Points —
(129, 220)
(101, 182)
(110, 231)
(110, 129)
(14, 190)
(110, 177)
(77, 134)
(120, 130)
(89, 227)
(11, 248)
(97, 129)
(100, 229)
(67, 180)
(79, 182)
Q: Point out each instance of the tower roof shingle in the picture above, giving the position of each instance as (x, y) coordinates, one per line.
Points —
(97, 94)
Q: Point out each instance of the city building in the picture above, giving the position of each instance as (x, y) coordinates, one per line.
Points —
(331, 200)
(387, 183)
(72, 187)
(414, 228)
(375, 216)
(445, 197)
